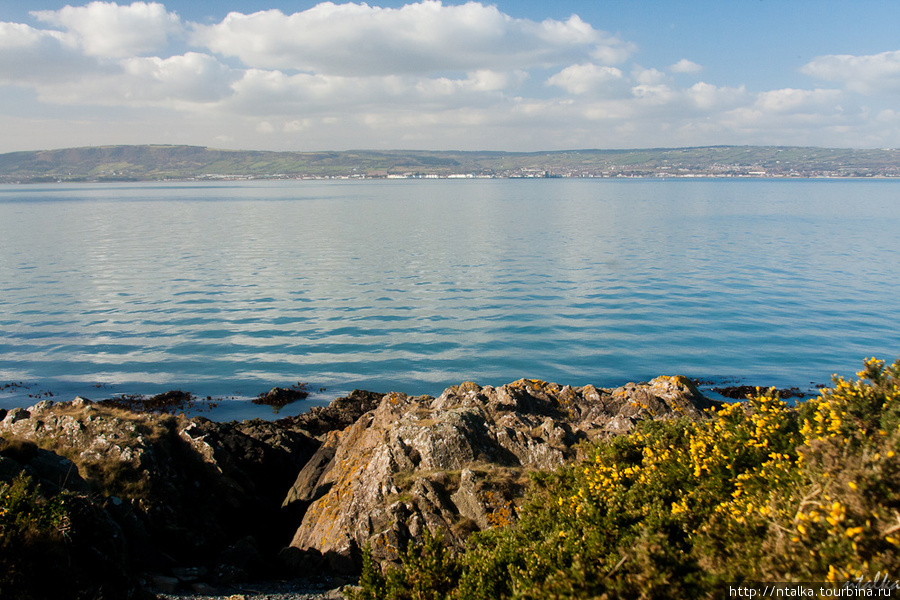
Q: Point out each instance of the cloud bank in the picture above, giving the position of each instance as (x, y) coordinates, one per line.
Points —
(425, 75)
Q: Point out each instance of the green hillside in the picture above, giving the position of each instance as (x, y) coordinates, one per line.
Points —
(160, 162)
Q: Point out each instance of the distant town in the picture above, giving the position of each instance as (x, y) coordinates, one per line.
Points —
(192, 163)
(713, 171)
(614, 171)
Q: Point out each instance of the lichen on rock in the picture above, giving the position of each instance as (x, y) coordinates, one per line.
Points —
(456, 463)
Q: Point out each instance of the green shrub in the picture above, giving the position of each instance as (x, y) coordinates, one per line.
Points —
(760, 492)
(32, 530)
(428, 572)
(61, 546)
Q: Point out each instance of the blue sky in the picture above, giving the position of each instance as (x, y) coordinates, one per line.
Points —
(524, 75)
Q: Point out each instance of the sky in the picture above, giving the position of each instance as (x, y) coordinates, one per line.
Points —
(523, 75)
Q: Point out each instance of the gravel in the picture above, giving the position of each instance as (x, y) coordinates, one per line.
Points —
(298, 589)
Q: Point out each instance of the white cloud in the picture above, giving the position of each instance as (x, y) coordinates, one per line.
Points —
(653, 94)
(589, 78)
(888, 116)
(650, 77)
(185, 82)
(705, 96)
(270, 93)
(611, 110)
(297, 125)
(868, 74)
(789, 100)
(685, 66)
(422, 38)
(29, 55)
(612, 52)
(191, 77)
(16, 36)
(275, 93)
(106, 29)
(486, 80)
(479, 82)
(422, 75)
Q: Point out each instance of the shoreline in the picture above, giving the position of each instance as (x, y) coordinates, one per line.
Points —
(207, 506)
(282, 510)
(233, 407)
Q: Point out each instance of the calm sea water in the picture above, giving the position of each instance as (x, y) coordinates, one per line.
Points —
(229, 289)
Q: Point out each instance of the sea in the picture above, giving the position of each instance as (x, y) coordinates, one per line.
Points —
(227, 289)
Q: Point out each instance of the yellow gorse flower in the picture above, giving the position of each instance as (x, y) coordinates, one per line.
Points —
(762, 466)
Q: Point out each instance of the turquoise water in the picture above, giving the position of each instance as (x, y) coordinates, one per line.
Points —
(229, 289)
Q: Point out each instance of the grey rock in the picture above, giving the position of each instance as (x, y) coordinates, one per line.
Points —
(457, 463)
(80, 402)
(42, 406)
(309, 484)
(468, 502)
(14, 416)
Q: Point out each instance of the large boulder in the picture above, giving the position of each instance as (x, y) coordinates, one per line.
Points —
(457, 463)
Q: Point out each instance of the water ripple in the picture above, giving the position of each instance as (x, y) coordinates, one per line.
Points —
(414, 286)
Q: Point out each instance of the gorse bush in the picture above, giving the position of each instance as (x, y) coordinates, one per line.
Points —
(759, 492)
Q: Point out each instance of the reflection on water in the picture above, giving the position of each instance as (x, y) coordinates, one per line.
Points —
(228, 290)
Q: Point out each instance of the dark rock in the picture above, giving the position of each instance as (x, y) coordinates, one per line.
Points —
(341, 413)
(165, 584)
(189, 574)
(742, 392)
(279, 396)
(240, 560)
(179, 490)
(56, 472)
(171, 402)
(303, 562)
(204, 589)
(52, 471)
(9, 468)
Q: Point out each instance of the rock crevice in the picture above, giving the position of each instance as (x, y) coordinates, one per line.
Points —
(456, 463)
(370, 469)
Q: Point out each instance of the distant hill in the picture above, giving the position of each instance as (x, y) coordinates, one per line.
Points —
(161, 162)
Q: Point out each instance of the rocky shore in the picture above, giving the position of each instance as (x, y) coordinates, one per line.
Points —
(187, 507)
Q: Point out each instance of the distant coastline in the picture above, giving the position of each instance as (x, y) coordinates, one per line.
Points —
(193, 163)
